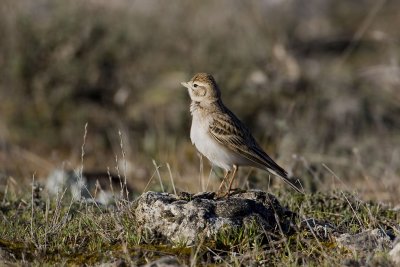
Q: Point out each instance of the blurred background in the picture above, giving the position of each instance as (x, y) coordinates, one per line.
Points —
(318, 83)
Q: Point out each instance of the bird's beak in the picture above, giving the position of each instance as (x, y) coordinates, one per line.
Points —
(185, 84)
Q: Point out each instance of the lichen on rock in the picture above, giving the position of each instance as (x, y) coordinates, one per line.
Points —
(184, 218)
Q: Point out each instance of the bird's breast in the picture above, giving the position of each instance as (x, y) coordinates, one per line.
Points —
(218, 154)
(199, 131)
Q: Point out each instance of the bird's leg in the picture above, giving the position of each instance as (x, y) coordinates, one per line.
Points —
(235, 168)
(223, 181)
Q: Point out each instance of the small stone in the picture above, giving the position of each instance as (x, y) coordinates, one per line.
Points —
(395, 252)
(168, 261)
(367, 241)
(351, 263)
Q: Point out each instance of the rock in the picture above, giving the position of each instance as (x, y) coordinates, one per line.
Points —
(186, 218)
(101, 187)
(168, 261)
(6, 256)
(352, 263)
(320, 229)
(367, 241)
(395, 252)
(114, 263)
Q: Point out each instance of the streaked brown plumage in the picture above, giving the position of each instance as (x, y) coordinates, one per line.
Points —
(220, 136)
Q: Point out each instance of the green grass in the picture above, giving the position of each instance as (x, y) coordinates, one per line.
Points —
(54, 231)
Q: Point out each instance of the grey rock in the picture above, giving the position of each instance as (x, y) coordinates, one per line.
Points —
(352, 263)
(114, 263)
(168, 261)
(367, 241)
(395, 252)
(185, 218)
(100, 187)
(6, 256)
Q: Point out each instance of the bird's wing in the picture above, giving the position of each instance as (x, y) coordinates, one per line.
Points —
(229, 131)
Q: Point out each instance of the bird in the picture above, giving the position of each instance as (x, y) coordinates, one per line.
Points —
(221, 137)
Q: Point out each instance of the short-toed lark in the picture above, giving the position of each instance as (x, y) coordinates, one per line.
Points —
(220, 136)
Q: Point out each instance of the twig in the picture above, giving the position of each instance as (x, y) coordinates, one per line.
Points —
(172, 179)
(361, 31)
(32, 208)
(124, 162)
(83, 151)
(158, 174)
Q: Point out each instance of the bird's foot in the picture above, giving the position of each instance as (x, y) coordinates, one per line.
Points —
(220, 194)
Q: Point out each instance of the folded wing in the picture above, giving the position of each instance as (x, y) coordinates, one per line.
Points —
(229, 131)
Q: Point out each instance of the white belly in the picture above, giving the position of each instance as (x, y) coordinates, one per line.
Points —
(210, 148)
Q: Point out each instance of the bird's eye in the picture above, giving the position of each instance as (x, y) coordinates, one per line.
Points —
(195, 85)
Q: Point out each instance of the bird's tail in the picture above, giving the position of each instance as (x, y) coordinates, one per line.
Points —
(293, 182)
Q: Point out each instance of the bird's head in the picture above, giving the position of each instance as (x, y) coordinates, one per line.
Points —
(203, 88)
